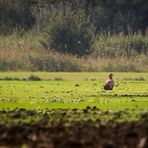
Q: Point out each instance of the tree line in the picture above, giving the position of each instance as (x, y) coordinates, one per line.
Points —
(112, 16)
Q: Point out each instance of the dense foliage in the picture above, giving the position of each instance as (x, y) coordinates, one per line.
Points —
(15, 14)
(70, 34)
(119, 26)
(106, 15)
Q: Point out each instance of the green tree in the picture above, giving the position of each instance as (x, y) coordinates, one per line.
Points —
(15, 14)
(70, 34)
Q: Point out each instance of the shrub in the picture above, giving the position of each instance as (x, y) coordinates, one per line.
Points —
(140, 79)
(70, 34)
(58, 79)
(10, 79)
(34, 78)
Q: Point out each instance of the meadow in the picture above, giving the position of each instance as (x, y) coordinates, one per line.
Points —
(72, 90)
(54, 58)
(70, 100)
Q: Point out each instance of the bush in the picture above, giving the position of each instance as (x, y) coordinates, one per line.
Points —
(70, 34)
(10, 79)
(58, 79)
(34, 78)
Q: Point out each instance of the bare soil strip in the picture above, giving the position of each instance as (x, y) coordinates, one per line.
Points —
(76, 135)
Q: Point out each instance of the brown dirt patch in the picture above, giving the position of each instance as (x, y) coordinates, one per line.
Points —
(76, 135)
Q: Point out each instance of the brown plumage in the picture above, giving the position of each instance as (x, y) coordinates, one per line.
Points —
(109, 83)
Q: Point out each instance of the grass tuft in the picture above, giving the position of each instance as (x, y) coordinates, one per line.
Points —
(34, 78)
(58, 79)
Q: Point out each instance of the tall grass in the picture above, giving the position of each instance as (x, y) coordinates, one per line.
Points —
(18, 41)
(111, 46)
(111, 53)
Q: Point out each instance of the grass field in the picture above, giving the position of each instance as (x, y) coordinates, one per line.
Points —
(74, 90)
(69, 98)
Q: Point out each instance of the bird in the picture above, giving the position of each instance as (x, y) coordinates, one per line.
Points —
(109, 82)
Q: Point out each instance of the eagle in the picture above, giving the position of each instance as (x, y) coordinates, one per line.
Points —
(109, 83)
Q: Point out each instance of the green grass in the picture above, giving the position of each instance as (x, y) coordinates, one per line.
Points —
(72, 76)
(76, 90)
(72, 90)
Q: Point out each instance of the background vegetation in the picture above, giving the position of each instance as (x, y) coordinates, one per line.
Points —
(80, 35)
